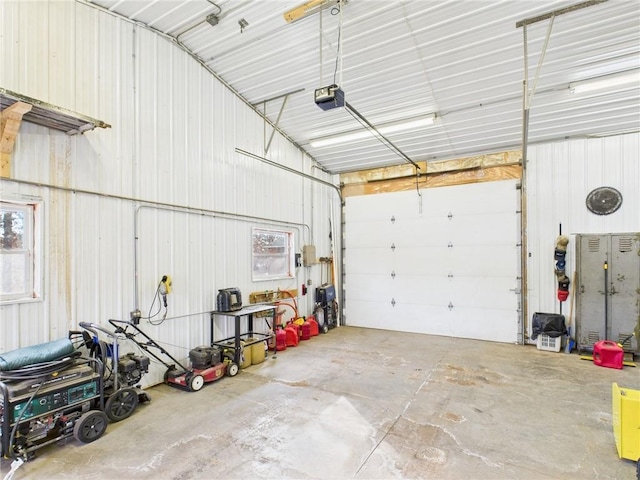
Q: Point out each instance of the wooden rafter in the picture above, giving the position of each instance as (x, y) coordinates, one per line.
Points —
(10, 120)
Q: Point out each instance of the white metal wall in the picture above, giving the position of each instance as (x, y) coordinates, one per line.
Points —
(171, 146)
(560, 175)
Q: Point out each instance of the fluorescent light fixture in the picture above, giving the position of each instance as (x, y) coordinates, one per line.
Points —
(309, 8)
(629, 77)
(367, 133)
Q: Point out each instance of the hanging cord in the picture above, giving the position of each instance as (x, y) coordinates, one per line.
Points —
(335, 70)
(19, 419)
(418, 190)
(340, 49)
(157, 297)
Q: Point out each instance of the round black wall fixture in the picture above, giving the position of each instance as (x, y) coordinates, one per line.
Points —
(604, 200)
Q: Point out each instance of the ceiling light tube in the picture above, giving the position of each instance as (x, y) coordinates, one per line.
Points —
(629, 77)
(307, 9)
(367, 133)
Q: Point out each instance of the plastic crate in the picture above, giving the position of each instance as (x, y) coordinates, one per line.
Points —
(626, 422)
(550, 344)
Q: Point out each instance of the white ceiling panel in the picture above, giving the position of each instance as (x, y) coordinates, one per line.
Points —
(460, 60)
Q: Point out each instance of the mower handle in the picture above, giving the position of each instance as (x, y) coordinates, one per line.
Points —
(92, 327)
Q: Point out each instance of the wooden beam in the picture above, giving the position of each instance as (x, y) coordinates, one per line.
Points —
(481, 168)
(435, 179)
(265, 296)
(10, 120)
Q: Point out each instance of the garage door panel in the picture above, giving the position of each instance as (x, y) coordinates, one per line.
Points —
(480, 198)
(421, 290)
(371, 261)
(369, 313)
(381, 207)
(497, 325)
(367, 287)
(428, 261)
(402, 234)
(483, 229)
(401, 318)
(468, 293)
(365, 235)
(483, 261)
(470, 261)
(405, 290)
(486, 293)
(411, 233)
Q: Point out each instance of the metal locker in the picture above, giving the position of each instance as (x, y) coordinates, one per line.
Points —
(608, 289)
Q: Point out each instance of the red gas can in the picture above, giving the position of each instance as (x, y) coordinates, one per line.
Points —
(608, 354)
(297, 329)
(292, 336)
(281, 340)
(306, 330)
(314, 325)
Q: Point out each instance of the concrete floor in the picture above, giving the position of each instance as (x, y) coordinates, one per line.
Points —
(368, 404)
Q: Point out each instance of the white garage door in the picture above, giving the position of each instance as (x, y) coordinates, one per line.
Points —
(449, 270)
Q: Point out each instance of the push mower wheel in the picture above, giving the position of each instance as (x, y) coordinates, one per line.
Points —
(195, 382)
(232, 369)
(121, 404)
(90, 426)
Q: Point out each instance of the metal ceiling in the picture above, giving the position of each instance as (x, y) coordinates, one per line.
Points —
(460, 60)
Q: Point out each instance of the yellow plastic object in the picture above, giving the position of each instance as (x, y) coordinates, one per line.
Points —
(299, 321)
(626, 422)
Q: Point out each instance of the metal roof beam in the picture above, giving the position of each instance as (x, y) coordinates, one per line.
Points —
(560, 11)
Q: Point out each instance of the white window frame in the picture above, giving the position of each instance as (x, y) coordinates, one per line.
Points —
(31, 249)
(279, 263)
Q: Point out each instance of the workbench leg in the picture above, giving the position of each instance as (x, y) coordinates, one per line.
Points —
(238, 353)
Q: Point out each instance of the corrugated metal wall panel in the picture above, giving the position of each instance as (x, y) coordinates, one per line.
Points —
(560, 175)
(172, 145)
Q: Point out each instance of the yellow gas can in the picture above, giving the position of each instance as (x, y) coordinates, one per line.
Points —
(626, 422)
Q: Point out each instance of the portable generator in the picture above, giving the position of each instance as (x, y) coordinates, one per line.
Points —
(39, 411)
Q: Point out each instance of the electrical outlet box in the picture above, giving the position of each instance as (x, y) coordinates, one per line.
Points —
(168, 284)
(309, 255)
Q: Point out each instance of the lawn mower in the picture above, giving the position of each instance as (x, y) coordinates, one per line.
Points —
(122, 373)
(208, 363)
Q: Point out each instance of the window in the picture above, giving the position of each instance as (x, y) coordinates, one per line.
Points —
(19, 264)
(272, 254)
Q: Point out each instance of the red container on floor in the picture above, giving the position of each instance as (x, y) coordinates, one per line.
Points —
(314, 325)
(281, 340)
(608, 354)
(292, 336)
(306, 330)
(297, 329)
